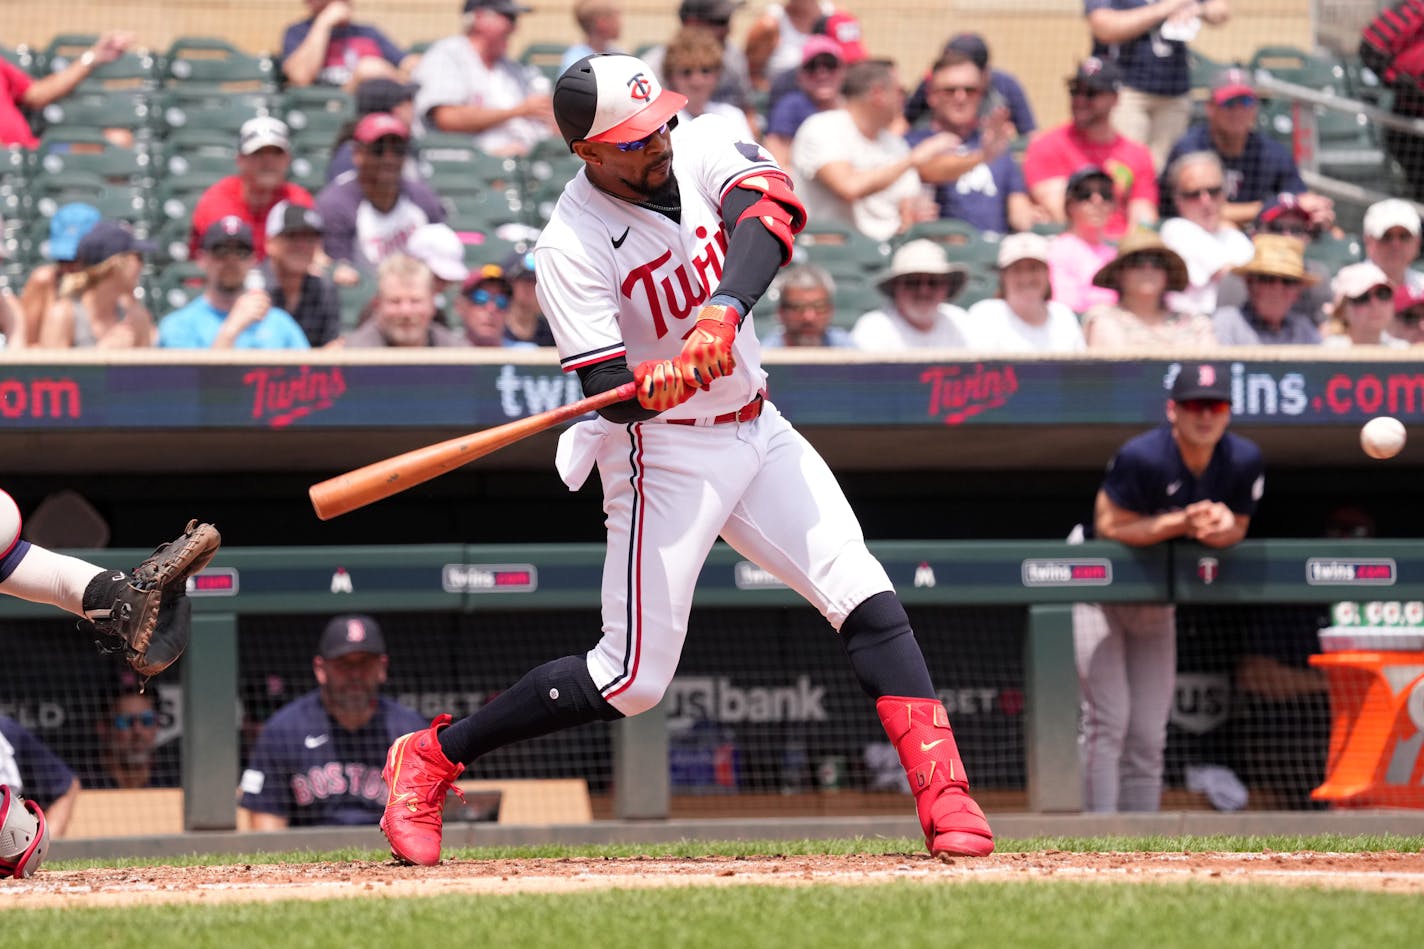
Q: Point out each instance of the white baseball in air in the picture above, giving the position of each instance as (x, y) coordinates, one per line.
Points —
(1382, 437)
(9, 522)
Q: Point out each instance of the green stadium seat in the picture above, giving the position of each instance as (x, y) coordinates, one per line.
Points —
(1291, 64)
(102, 109)
(172, 240)
(981, 285)
(211, 61)
(489, 250)
(176, 285)
(481, 211)
(354, 299)
(855, 298)
(316, 111)
(308, 169)
(1335, 252)
(120, 166)
(545, 57)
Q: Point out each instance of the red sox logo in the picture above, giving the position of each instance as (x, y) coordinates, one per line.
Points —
(640, 87)
(1206, 375)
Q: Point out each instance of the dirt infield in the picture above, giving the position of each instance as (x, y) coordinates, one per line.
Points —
(1388, 872)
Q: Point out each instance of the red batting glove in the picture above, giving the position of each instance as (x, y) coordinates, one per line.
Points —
(707, 350)
(660, 384)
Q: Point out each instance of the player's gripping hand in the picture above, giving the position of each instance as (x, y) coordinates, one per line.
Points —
(707, 350)
(661, 384)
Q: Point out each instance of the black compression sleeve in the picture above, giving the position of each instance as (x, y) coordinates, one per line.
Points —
(610, 374)
(753, 254)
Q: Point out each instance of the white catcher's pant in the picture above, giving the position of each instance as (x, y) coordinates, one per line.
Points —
(668, 492)
(1127, 669)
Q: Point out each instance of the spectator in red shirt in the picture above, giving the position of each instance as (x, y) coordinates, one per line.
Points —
(264, 154)
(1090, 139)
(19, 92)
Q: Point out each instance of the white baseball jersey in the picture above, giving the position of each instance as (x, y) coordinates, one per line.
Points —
(618, 279)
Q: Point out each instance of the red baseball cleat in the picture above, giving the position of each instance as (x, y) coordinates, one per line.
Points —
(418, 775)
(954, 825)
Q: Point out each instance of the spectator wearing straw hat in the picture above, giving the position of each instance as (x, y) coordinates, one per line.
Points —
(1275, 277)
(918, 285)
(1362, 310)
(1023, 317)
(1284, 215)
(1144, 271)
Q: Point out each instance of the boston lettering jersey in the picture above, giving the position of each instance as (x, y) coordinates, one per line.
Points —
(617, 279)
(307, 768)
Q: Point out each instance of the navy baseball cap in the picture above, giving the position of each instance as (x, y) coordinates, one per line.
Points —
(971, 45)
(68, 225)
(1087, 173)
(1098, 74)
(351, 632)
(107, 238)
(229, 229)
(383, 95)
(1201, 381)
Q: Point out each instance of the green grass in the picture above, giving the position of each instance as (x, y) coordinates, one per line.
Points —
(701, 848)
(900, 915)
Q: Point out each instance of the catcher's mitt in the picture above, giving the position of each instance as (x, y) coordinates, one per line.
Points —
(150, 613)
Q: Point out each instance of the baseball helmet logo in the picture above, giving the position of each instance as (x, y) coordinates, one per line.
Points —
(640, 87)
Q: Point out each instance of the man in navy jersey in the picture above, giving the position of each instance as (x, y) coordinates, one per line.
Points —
(1188, 479)
(318, 759)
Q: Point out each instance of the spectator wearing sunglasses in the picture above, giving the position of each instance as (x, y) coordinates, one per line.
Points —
(371, 212)
(130, 755)
(978, 182)
(1256, 167)
(1002, 86)
(1283, 215)
(692, 66)
(1089, 138)
(232, 312)
(482, 305)
(1275, 277)
(1200, 234)
(1363, 309)
(1144, 271)
(1408, 314)
(805, 297)
(734, 87)
(468, 83)
(1391, 233)
(818, 89)
(1148, 39)
(918, 286)
(1078, 253)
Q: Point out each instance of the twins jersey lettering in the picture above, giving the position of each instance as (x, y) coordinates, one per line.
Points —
(307, 768)
(619, 279)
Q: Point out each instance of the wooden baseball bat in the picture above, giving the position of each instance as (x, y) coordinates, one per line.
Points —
(381, 479)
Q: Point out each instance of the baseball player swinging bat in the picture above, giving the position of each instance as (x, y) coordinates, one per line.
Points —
(381, 479)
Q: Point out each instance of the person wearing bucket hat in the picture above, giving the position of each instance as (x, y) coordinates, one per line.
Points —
(470, 85)
(1144, 271)
(1275, 277)
(1362, 309)
(97, 305)
(649, 270)
(918, 285)
(69, 223)
(340, 727)
(1023, 317)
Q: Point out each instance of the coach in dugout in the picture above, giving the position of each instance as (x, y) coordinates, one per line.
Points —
(318, 758)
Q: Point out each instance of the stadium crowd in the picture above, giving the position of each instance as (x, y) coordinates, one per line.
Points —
(246, 195)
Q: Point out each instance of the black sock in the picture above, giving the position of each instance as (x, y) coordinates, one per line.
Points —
(550, 698)
(883, 650)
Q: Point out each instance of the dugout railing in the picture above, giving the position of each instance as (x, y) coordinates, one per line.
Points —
(1044, 578)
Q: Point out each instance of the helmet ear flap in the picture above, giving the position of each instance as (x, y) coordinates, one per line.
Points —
(24, 835)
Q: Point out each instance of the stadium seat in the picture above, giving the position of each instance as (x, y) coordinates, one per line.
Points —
(175, 286)
(962, 241)
(981, 285)
(354, 299)
(489, 249)
(840, 250)
(308, 169)
(1290, 64)
(172, 240)
(226, 117)
(545, 57)
(316, 111)
(211, 61)
(481, 211)
(855, 298)
(118, 166)
(1335, 252)
(102, 109)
